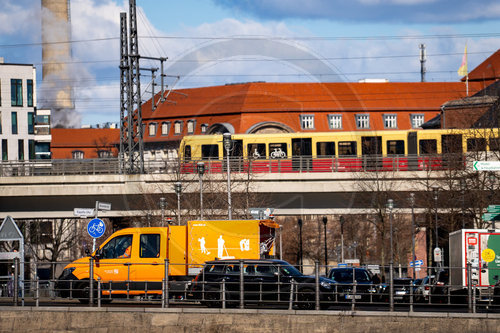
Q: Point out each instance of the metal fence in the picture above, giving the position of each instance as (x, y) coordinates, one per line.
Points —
(237, 164)
(244, 287)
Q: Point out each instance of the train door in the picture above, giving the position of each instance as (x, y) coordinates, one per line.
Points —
(302, 154)
(371, 150)
(452, 150)
(235, 156)
(412, 151)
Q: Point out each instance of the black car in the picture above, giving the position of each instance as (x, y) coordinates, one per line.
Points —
(353, 283)
(264, 281)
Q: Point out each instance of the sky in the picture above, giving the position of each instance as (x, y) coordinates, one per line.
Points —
(215, 42)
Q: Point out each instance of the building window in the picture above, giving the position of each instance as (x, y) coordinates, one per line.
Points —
(31, 149)
(177, 127)
(0, 122)
(0, 92)
(5, 152)
(104, 153)
(165, 128)
(29, 84)
(390, 121)
(190, 126)
(152, 129)
(307, 121)
(416, 120)
(77, 154)
(20, 150)
(362, 121)
(204, 128)
(16, 92)
(31, 123)
(14, 122)
(335, 121)
(42, 119)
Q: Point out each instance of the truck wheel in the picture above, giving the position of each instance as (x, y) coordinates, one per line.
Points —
(83, 292)
(306, 299)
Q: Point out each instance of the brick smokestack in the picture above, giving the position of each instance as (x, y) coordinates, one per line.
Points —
(56, 92)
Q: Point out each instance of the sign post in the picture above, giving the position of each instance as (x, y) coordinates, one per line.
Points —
(95, 227)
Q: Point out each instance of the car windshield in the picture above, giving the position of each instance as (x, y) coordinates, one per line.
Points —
(290, 270)
(345, 275)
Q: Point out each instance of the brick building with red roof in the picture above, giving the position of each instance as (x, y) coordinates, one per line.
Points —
(260, 107)
(84, 143)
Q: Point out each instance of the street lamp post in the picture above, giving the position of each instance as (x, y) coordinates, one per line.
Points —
(462, 194)
(412, 203)
(435, 193)
(227, 141)
(201, 170)
(162, 207)
(390, 206)
(299, 222)
(178, 190)
(325, 221)
(342, 221)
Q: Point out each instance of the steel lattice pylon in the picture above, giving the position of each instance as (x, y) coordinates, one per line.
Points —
(131, 133)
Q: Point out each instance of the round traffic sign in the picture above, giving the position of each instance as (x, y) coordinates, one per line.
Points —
(96, 228)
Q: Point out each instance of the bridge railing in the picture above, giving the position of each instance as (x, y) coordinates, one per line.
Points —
(300, 164)
(246, 285)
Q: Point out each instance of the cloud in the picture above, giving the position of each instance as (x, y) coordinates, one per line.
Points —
(404, 11)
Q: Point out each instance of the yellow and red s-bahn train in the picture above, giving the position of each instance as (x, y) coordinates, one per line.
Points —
(389, 150)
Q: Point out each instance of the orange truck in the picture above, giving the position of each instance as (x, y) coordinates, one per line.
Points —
(132, 261)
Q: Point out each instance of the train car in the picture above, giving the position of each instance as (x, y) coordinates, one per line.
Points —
(340, 151)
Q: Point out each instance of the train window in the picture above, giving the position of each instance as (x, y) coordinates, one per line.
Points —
(347, 148)
(396, 147)
(325, 148)
(451, 144)
(494, 144)
(209, 151)
(278, 150)
(476, 144)
(427, 146)
(187, 153)
(256, 150)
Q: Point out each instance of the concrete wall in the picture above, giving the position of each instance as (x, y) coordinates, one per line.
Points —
(26, 319)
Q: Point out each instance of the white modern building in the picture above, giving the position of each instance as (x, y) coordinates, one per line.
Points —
(18, 112)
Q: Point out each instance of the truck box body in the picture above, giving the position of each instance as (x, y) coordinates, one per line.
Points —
(223, 239)
(481, 248)
(133, 258)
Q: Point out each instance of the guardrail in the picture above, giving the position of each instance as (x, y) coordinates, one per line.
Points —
(243, 287)
(368, 163)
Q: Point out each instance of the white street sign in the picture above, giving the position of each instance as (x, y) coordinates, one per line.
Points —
(486, 165)
(104, 205)
(83, 212)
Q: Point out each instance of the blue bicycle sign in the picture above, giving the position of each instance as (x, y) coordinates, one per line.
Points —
(96, 228)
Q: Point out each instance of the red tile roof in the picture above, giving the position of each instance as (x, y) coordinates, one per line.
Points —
(488, 70)
(284, 97)
(85, 137)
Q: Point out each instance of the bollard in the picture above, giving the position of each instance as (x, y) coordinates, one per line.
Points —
(223, 296)
(98, 292)
(242, 287)
(164, 295)
(316, 284)
(411, 294)
(391, 287)
(91, 281)
(16, 281)
(290, 300)
(37, 286)
(469, 286)
(354, 289)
